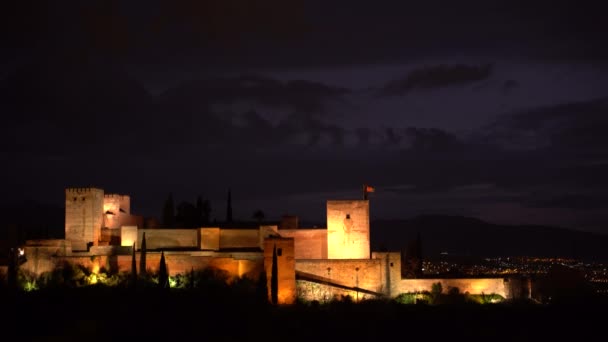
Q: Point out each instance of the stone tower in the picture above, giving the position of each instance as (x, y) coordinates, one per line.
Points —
(348, 229)
(83, 216)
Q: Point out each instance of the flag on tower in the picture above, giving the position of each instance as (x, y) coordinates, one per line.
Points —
(366, 190)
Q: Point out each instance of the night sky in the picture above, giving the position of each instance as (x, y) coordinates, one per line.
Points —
(489, 109)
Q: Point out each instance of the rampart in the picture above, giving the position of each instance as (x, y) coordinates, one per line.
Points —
(470, 285)
(309, 243)
(169, 238)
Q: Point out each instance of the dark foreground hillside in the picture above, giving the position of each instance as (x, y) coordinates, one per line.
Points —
(102, 314)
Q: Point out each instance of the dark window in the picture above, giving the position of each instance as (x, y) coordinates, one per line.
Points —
(74, 198)
(391, 264)
(279, 251)
(348, 216)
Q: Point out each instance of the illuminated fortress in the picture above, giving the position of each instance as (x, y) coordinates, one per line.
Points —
(313, 263)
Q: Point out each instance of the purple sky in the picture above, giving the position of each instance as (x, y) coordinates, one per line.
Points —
(496, 110)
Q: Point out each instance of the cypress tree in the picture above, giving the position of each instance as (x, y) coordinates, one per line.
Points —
(199, 212)
(169, 212)
(191, 279)
(133, 267)
(142, 259)
(163, 275)
(262, 287)
(13, 262)
(229, 207)
(274, 278)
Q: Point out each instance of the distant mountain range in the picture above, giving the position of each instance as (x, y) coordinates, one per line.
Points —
(465, 236)
(454, 235)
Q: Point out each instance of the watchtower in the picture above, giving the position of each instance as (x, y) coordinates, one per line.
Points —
(348, 229)
(83, 217)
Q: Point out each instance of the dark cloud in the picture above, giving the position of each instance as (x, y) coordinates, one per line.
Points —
(299, 95)
(577, 128)
(509, 86)
(437, 77)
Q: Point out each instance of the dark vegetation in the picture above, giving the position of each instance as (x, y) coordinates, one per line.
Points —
(214, 311)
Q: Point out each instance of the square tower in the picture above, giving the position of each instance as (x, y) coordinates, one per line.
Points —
(348, 229)
(83, 216)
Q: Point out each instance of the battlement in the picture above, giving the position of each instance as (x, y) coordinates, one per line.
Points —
(116, 203)
(81, 190)
(116, 196)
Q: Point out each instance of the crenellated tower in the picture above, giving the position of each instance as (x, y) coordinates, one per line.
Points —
(83, 216)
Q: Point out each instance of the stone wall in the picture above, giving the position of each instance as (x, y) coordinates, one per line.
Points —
(239, 238)
(285, 266)
(348, 229)
(169, 238)
(41, 255)
(210, 239)
(41, 259)
(309, 243)
(391, 262)
(128, 235)
(472, 286)
(352, 273)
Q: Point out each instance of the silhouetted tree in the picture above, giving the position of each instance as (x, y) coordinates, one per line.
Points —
(133, 268)
(274, 278)
(142, 258)
(199, 212)
(206, 210)
(229, 207)
(436, 290)
(411, 262)
(259, 215)
(262, 287)
(13, 265)
(187, 216)
(163, 275)
(169, 212)
(191, 278)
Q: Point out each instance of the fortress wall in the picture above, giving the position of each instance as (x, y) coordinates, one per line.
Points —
(285, 268)
(177, 263)
(266, 232)
(348, 229)
(391, 262)
(169, 238)
(128, 236)
(309, 243)
(210, 239)
(41, 254)
(472, 286)
(110, 236)
(370, 276)
(239, 238)
(313, 291)
(130, 220)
